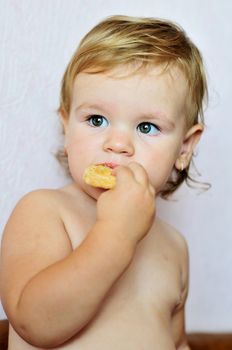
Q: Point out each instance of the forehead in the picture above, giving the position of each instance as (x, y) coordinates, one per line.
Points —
(151, 75)
(168, 89)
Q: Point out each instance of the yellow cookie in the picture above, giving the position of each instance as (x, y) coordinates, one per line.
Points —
(99, 176)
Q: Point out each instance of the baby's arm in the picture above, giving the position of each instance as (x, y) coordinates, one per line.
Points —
(179, 328)
(51, 292)
(178, 319)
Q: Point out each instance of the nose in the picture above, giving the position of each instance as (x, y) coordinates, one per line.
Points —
(119, 142)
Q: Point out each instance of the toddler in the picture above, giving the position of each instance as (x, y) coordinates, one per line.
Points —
(84, 267)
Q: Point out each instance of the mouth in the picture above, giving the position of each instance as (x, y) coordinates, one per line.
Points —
(110, 165)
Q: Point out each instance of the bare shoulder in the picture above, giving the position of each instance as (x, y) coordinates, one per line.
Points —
(175, 237)
(42, 198)
(35, 217)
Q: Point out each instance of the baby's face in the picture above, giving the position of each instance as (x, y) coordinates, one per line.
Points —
(115, 119)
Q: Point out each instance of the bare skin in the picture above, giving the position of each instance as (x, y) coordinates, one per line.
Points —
(140, 309)
(84, 268)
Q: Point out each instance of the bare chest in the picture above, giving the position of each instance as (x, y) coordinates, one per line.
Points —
(153, 278)
(152, 281)
(136, 312)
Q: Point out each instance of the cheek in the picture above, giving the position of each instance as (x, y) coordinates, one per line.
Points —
(78, 143)
(160, 164)
(82, 150)
(79, 153)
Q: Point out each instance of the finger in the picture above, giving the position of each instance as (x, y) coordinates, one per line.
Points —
(123, 173)
(140, 173)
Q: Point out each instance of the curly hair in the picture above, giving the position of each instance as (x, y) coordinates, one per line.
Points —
(140, 42)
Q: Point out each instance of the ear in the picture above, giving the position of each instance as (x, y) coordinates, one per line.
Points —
(190, 141)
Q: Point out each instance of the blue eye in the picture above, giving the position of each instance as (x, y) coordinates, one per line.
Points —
(98, 121)
(148, 128)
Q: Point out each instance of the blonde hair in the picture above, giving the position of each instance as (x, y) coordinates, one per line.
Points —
(139, 43)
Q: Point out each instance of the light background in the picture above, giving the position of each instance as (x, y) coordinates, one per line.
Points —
(37, 39)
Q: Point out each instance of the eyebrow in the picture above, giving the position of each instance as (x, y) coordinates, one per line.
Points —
(160, 116)
(90, 106)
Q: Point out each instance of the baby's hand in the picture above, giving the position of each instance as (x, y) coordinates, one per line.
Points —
(129, 208)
